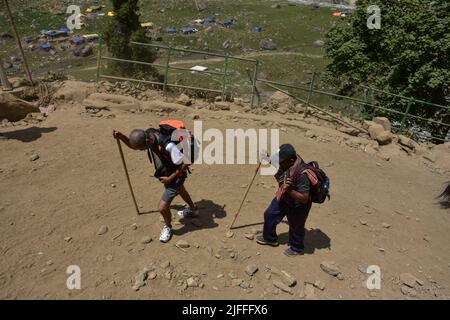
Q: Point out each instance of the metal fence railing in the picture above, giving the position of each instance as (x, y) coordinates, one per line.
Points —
(368, 101)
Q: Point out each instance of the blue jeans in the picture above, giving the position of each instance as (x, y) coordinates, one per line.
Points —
(296, 216)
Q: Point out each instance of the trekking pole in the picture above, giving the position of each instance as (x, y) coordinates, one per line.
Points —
(245, 195)
(128, 177)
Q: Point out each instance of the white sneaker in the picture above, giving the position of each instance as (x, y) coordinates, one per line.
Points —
(166, 234)
(187, 213)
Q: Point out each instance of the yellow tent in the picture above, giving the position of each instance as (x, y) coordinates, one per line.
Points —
(147, 25)
(111, 14)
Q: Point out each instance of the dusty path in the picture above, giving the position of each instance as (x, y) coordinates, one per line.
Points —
(68, 192)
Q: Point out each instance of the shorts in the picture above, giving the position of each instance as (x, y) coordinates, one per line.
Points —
(172, 189)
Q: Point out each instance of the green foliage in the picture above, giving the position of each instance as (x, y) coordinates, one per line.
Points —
(122, 29)
(408, 56)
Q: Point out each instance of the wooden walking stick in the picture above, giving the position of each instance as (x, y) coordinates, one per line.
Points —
(128, 177)
(245, 194)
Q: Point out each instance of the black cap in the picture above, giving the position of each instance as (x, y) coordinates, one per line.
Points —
(287, 151)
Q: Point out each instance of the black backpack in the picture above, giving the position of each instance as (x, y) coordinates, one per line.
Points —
(320, 183)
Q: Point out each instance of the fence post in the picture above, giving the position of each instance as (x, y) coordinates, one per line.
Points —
(405, 115)
(99, 56)
(367, 100)
(255, 75)
(311, 88)
(224, 85)
(166, 75)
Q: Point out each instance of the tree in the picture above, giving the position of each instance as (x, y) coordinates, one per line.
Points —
(123, 28)
(408, 56)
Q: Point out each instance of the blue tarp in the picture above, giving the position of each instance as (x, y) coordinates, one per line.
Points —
(45, 46)
(210, 20)
(78, 40)
(257, 29)
(171, 30)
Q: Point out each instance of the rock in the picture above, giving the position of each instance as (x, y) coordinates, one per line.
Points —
(236, 282)
(152, 275)
(182, 244)
(249, 236)
(232, 275)
(350, 131)
(288, 278)
(385, 225)
(134, 226)
(363, 222)
(67, 239)
(407, 142)
(140, 280)
(102, 230)
(309, 291)
(319, 285)
(109, 257)
(168, 275)
(266, 44)
(374, 130)
(251, 269)
(407, 291)
(195, 117)
(165, 264)
(192, 282)
(276, 6)
(310, 134)
(384, 122)
(340, 276)
(367, 124)
(146, 239)
(319, 43)
(384, 138)
(229, 234)
(330, 267)
(34, 157)
(280, 285)
(245, 285)
(222, 105)
(184, 100)
(408, 279)
(427, 238)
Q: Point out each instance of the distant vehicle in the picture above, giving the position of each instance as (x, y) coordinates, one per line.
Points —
(188, 30)
(210, 20)
(171, 30)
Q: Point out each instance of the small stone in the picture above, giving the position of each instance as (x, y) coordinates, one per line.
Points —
(196, 245)
(34, 157)
(282, 286)
(427, 238)
(236, 282)
(232, 275)
(182, 244)
(168, 275)
(244, 285)
(385, 225)
(251, 269)
(134, 226)
(218, 256)
(309, 291)
(249, 236)
(67, 239)
(113, 185)
(146, 239)
(330, 267)
(229, 234)
(407, 291)
(165, 264)
(220, 276)
(319, 285)
(408, 279)
(202, 285)
(152, 275)
(363, 222)
(192, 282)
(268, 276)
(102, 230)
(109, 257)
(232, 255)
(288, 279)
(49, 263)
(215, 288)
(340, 276)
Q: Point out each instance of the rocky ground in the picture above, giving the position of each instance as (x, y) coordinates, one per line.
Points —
(64, 201)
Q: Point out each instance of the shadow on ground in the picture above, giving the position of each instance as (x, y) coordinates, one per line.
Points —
(314, 239)
(28, 134)
(209, 211)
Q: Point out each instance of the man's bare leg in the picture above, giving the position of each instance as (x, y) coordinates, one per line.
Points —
(164, 209)
(186, 197)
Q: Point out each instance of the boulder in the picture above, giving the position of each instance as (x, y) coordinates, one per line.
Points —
(319, 43)
(384, 138)
(384, 122)
(74, 91)
(13, 108)
(375, 130)
(184, 100)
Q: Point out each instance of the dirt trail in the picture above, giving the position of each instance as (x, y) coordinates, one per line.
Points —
(77, 185)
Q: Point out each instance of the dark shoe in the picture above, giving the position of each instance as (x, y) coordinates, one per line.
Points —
(261, 240)
(292, 253)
